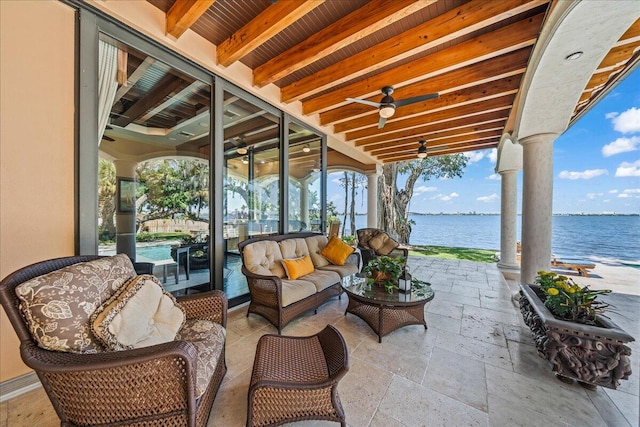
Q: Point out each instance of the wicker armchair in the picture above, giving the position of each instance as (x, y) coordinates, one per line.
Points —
(365, 235)
(296, 379)
(150, 386)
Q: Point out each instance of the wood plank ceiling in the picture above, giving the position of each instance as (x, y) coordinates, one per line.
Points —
(320, 52)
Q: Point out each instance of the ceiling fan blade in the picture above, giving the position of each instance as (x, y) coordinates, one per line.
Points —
(381, 122)
(415, 99)
(365, 102)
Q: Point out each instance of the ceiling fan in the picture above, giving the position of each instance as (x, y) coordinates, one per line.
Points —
(388, 105)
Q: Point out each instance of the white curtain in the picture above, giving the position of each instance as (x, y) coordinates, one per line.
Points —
(107, 83)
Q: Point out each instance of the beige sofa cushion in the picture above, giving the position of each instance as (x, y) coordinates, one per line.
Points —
(322, 279)
(58, 305)
(343, 270)
(264, 258)
(296, 290)
(316, 244)
(383, 244)
(208, 337)
(140, 314)
(293, 248)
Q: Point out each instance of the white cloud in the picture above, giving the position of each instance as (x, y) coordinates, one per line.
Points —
(612, 115)
(624, 195)
(588, 174)
(446, 198)
(475, 156)
(488, 199)
(627, 169)
(425, 189)
(627, 121)
(613, 191)
(495, 177)
(594, 195)
(632, 191)
(621, 145)
(493, 155)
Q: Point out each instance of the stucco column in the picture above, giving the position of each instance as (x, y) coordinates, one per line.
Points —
(126, 221)
(304, 202)
(537, 201)
(372, 198)
(508, 218)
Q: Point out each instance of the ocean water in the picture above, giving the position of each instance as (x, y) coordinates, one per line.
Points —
(613, 238)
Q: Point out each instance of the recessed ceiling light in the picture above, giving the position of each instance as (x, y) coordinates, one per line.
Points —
(574, 56)
(306, 148)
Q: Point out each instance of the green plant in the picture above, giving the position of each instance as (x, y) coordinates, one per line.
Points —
(384, 271)
(568, 301)
(349, 240)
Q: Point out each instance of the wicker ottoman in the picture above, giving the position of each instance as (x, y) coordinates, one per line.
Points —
(296, 378)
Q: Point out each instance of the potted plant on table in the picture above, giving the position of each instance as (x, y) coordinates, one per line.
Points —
(571, 331)
(384, 271)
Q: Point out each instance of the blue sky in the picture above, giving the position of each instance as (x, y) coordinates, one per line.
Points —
(596, 167)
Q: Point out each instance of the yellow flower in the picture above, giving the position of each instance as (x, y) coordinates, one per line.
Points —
(553, 291)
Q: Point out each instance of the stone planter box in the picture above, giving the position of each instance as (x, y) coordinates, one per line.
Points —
(593, 355)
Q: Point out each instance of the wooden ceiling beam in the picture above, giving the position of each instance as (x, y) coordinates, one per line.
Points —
(364, 21)
(428, 129)
(504, 66)
(263, 27)
(490, 45)
(436, 138)
(466, 96)
(463, 148)
(495, 104)
(134, 77)
(444, 28)
(619, 55)
(183, 14)
(160, 91)
(462, 141)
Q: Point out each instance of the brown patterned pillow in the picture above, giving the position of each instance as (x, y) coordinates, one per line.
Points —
(140, 314)
(383, 244)
(58, 305)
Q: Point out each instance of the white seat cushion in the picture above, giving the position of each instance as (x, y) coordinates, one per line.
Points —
(343, 270)
(263, 258)
(141, 314)
(296, 290)
(322, 279)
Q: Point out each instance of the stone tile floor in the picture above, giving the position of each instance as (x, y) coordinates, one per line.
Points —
(474, 366)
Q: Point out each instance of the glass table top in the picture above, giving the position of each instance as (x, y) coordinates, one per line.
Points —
(357, 285)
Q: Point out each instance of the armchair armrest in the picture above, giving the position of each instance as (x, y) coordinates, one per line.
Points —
(210, 305)
(266, 289)
(159, 379)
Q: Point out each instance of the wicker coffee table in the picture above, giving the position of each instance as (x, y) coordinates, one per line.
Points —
(385, 312)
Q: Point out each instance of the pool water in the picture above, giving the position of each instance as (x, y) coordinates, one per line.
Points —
(144, 253)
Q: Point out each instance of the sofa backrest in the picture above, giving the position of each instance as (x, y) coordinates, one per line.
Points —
(263, 257)
(316, 244)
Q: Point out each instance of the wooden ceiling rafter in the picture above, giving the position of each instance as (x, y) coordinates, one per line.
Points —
(493, 69)
(480, 145)
(183, 14)
(435, 32)
(263, 27)
(489, 45)
(470, 95)
(366, 20)
(459, 112)
(427, 129)
(399, 145)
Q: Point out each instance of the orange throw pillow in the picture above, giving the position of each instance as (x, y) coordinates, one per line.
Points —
(298, 267)
(337, 251)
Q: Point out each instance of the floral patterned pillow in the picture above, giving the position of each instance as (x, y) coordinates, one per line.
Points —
(58, 305)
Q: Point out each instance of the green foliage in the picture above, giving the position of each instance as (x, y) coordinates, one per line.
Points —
(152, 237)
(478, 255)
(385, 271)
(568, 301)
(349, 240)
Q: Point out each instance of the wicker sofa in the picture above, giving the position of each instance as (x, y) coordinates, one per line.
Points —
(170, 382)
(279, 299)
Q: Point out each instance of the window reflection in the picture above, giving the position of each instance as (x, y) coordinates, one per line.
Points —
(304, 179)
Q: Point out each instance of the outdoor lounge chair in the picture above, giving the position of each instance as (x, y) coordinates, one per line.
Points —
(581, 266)
(374, 242)
(173, 382)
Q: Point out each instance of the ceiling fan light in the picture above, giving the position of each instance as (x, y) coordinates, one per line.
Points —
(242, 150)
(387, 111)
(422, 150)
(245, 160)
(306, 148)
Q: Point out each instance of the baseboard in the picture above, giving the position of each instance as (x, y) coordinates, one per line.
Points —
(17, 386)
